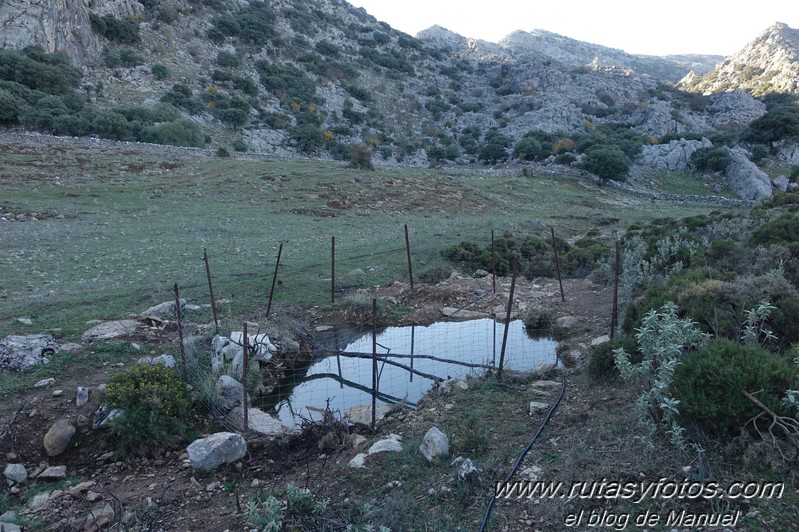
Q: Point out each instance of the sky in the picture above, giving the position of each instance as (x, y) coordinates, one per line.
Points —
(654, 28)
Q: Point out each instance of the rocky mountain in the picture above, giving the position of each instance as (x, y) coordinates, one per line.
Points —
(312, 77)
(545, 46)
(768, 64)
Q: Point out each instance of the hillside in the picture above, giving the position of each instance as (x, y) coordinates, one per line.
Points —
(310, 78)
(768, 64)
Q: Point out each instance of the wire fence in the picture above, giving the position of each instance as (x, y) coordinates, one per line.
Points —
(271, 375)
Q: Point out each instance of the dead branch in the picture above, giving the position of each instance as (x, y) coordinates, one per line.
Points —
(20, 408)
(780, 427)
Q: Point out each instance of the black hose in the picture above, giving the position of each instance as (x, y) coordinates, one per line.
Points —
(524, 453)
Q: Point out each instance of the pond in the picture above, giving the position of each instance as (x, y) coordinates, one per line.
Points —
(341, 382)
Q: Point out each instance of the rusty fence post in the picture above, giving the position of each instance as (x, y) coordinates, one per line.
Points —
(180, 329)
(408, 250)
(332, 269)
(507, 319)
(245, 340)
(557, 265)
(274, 279)
(614, 318)
(493, 264)
(374, 362)
(211, 290)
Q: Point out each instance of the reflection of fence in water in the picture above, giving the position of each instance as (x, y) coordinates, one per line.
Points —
(409, 360)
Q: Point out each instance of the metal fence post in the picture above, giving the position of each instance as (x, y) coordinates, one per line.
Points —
(507, 319)
(557, 265)
(274, 279)
(211, 290)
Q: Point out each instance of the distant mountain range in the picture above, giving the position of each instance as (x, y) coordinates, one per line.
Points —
(313, 76)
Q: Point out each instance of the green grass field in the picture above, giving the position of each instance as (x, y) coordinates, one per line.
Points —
(116, 230)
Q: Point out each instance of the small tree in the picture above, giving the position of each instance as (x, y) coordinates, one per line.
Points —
(607, 162)
(160, 71)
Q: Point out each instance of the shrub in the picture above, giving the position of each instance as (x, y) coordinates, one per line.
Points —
(714, 159)
(10, 107)
(539, 319)
(180, 132)
(710, 384)
(607, 162)
(160, 71)
(360, 156)
(527, 149)
(308, 138)
(601, 362)
(227, 60)
(155, 402)
(779, 122)
(122, 31)
(239, 145)
(38, 71)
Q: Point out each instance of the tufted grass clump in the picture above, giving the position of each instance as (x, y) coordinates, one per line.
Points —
(156, 404)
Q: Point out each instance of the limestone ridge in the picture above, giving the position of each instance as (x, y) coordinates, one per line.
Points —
(543, 46)
(770, 63)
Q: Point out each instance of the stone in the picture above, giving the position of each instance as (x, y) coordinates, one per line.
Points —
(103, 417)
(468, 473)
(259, 347)
(230, 392)
(164, 310)
(57, 393)
(481, 273)
(221, 448)
(168, 361)
(537, 407)
(566, 322)
(25, 321)
(452, 312)
(79, 489)
(9, 527)
(362, 414)
(21, 352)
(38, 501)
(392, 444)
(781, 183)
(81, 396)
(532, 473)
(57, 438)
(356, 440)
(449, 386)
(674, 156)
(435, 445)
(99, 518)
(358, 461)
(53, 473)
(599, 340)
(16, 473)
(544, 385)
(44, 383)
(110, 330)
(71, 347)
(257, 421)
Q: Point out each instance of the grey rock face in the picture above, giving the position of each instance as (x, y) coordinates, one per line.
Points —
(435, 445)
(674, 156)
(745, 178)
(20, 352)
(221, 448)
(781, 183)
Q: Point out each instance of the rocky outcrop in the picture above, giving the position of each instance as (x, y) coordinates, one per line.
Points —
(788, 152)
(20, 352)
(110, 330)
(745, 178)
(734, 109)
(59, 25)
(674, 156)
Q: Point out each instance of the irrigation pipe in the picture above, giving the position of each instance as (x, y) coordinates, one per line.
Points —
(524, 453)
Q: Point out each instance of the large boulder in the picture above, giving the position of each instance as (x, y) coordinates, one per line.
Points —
(20, 352)
(674, 156)
(221, 448)
(257, 421)
(57, 438)
(164, 310)
(745, 178)
(110, 330)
